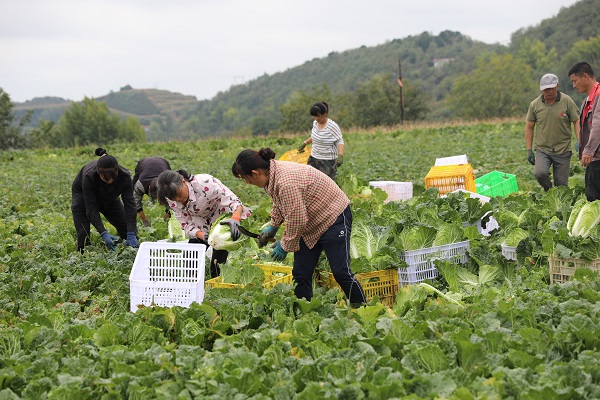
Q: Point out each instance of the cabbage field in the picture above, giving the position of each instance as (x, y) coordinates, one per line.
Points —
(489, 328)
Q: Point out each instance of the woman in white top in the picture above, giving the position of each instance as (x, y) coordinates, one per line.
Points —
(327, 152)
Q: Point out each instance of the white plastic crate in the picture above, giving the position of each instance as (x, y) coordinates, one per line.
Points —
(454, 160)
(395, 190)
(167, 274)
(490, 226)
(482, 198)
(421, 262)
(509, 252)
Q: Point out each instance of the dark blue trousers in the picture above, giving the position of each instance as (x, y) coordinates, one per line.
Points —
(336, 244)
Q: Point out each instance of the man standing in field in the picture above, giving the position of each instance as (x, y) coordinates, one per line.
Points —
(583, 79)
(553, 112)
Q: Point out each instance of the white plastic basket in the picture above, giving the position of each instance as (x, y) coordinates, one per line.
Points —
(395, 190)
(509, 252)
(454, 160)
(167, 274)
(473, 195)
(490, 226)
(421, 262)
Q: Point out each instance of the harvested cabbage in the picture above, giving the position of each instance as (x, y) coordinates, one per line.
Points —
(219, 237)
(587, 219)
(515, 236)
(448, 234)
(575, 212)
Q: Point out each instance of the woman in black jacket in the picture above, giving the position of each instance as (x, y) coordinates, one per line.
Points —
(96, 190)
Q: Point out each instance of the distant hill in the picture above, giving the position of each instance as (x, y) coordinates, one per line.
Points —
(431, 61)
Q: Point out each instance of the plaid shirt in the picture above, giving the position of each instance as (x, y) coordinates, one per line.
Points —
(306, 199)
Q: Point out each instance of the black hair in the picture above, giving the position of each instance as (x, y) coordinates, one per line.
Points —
(249, 160)
(581, 68)
(153, 188)
(107, 165)
(319, 109)
(169, 183)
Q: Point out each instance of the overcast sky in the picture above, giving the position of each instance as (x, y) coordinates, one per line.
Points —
(77, 48)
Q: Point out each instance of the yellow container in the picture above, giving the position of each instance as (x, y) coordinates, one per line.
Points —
(294, 156)
(274, 274)
(448, 178)
(382, 283)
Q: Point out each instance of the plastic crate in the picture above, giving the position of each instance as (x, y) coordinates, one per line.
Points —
(496, 183)
(482, 199)
(449, 178)
(396, 191)
(490, 226)
(421, 262)
(274, 274)
(509, 252)
(167, 274)
(382, 283)
(563, 269)
(295, 156)
(454, 160)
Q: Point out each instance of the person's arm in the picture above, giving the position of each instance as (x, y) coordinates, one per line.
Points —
(593, 142)
(529, 126)
(340, 148)
(91, 203)
(128, 202)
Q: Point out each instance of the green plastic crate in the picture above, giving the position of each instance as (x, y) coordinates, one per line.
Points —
(496, 183)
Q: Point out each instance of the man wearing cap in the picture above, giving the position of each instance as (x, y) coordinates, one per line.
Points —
(553, 112)
(583, 79)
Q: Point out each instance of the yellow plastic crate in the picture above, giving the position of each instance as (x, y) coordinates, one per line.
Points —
(274, 274)
(563, 269)
(448, 178)
(293, 155)
(382, 283)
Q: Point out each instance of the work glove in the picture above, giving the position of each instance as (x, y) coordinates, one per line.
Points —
(267, 233)
(132, 240)
(530, 157)
(233, 226)
(577, 147)
(146, 223)
(278, 253)
(339, 161)
(109, 240)
(301, 147)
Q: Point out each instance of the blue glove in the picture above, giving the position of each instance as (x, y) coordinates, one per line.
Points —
(132, 240)
(577, 147)
(233, 227)
(109, 240)
(278, 253)
(530, 157)
(267, 233)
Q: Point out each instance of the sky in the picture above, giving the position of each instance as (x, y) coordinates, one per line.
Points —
(88, 48)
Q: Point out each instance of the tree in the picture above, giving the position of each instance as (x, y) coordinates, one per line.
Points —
(377, 102)
(296, 110)
(11, 136)
(500, 86)
(91, 122)
(535, 53)
(585, 50)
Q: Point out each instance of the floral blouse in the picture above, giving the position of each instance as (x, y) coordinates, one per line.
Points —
(208, 199)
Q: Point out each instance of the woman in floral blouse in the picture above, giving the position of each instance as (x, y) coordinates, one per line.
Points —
(197, 202)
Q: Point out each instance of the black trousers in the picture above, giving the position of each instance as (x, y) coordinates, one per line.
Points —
(113, 211)
(218, 257)
(336, 244)
(592, 181)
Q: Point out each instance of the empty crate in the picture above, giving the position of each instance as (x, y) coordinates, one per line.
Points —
(449, 178)
(496, 183)
(395, 190)
(167, 274)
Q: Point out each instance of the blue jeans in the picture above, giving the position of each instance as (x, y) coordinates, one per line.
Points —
(336, 244)
(561, 166)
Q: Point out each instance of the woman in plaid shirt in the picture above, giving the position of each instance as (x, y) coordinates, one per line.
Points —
(317, 218)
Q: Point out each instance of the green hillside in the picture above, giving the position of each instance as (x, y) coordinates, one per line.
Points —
(430, 66)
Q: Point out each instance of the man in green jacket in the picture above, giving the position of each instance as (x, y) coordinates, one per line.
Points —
(553, 112)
